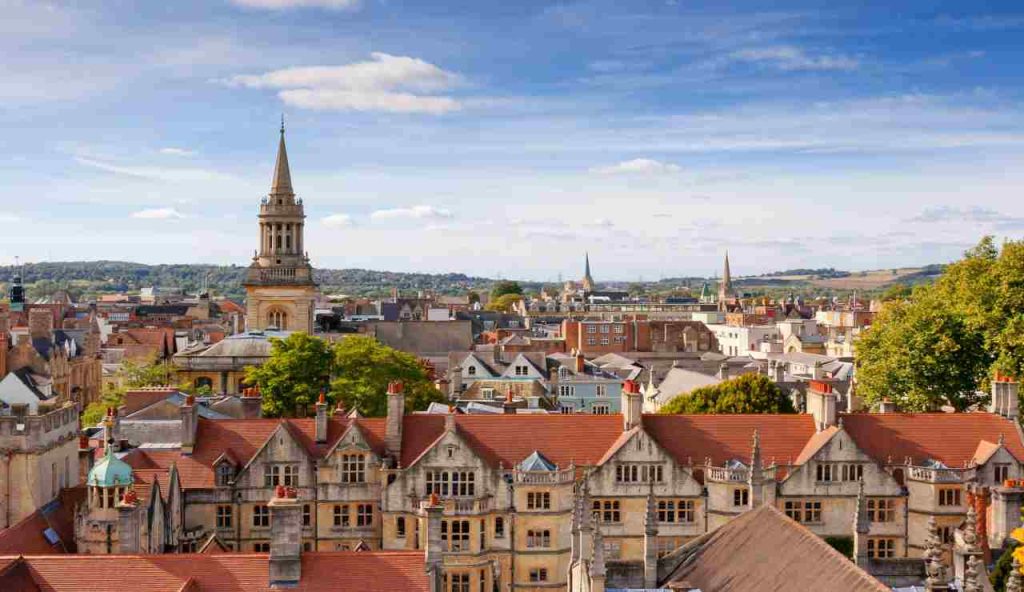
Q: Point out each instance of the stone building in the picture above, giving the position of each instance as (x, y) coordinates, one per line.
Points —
(506, 484)
(279, 286)
(38, 457)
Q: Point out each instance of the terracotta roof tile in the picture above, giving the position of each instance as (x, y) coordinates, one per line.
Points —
(229, 572)
(26, 537)
(726, 437)
(764, 551)
(951, 438)
(508, 439)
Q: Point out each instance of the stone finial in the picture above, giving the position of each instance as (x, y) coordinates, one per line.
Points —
(971, 582)
(1013, 581)
(863, 521)
(934, 568)
(971, 530)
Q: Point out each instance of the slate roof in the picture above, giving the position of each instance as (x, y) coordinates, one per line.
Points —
(381, 571)
(764, 551)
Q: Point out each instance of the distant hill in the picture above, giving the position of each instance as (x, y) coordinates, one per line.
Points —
(89, 278)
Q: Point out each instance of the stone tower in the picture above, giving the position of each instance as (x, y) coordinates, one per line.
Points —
(279, 286)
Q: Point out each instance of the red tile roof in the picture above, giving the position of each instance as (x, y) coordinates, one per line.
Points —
(951, 438)
(26, 537)
(135, 400)
(367, 572)
(508, 439)
(694, 438)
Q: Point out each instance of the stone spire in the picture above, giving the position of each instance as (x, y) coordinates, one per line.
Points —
(971, 531)
(588, 280)
(1013, 581)
(862, 526)
(282, 183)
(755, 480)
(725, 285)
(651, 540)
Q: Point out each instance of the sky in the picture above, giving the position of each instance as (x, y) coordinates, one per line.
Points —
(506, 139)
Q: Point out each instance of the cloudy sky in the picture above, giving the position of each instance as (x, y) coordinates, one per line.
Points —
(506, 138)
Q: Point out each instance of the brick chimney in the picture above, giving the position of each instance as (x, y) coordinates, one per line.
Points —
(632, 405)
(285, 538)
(887, 406)
(581, 362)
(3, 350)
(821, 403)
(393, 423)
(40, 323)
(252, 403)
(189, 423)
(321, 419)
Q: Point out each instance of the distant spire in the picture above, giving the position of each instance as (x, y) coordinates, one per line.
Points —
(588, 280)
(282, 183)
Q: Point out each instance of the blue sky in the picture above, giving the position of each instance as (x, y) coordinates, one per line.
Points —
(505, 138)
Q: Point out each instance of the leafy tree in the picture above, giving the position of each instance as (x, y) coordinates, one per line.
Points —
(506, 287)
(131, 375)
(748, 393)
(1004, 565)
(503, 303)
(473, 296)
(921, 355)
(298, 369)
(954, 333)
(363, 367)
(897, 292)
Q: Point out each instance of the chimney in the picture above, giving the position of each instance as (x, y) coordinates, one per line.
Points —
(40, 323)
(581, 362)
(887, 406)
(393, 423)
(86, 457)
(723, 371)
(818, 372)
(1006, 515)
(3, 350)
(189, 423)
(252, 403)
(432, 510)
(128, 527)
(1004, 396)
(821, 403)
(778, 371)
(285, 538)
(321, 419)
(455, 382)
(632, 405)
(509, 406)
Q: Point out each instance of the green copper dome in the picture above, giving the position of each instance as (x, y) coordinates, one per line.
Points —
(110, 472)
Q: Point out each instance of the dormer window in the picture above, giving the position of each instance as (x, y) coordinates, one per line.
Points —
(563, 373)
(522, 370)
(225, 473)
(471, 371)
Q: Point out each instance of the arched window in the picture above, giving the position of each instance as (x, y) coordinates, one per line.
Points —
(278, 318)
(471, 371)
(203, 381)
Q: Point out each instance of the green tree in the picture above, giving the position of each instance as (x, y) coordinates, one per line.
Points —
(503, 303)
(897, 292)
(363, 367)
(953, 334)
(748, 393)
(506, 287)
(1004, 565)
(298, 369)
(131, 375)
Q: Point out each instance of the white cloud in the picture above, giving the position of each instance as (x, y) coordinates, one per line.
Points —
(171, 151)
(384, 83)
(153, 173)
(421, 212)
(285, 4)
(158, 214)
(337, 221)
(790, 58)
(638, 166)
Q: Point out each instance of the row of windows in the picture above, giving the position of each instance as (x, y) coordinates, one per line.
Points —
(342, 515)
(538, 538)
(605, 328)
(605, 340)
(881, 548)
(806, 511)
(451, 483)
(287, 475)
(832, 472)
(639, 473)
(538, 500)
(353, 470)
(882, 510)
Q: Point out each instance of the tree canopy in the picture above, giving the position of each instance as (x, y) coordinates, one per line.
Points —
(506, 287)
(363, 367)
(941, 344)
(503, 303)
(355, 371)
(131, 375)
(748, 393)
(298, 369)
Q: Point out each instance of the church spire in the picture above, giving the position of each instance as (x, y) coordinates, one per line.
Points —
(588, 280)
(282, 183)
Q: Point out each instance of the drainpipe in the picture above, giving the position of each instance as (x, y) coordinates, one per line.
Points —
(7, 490)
